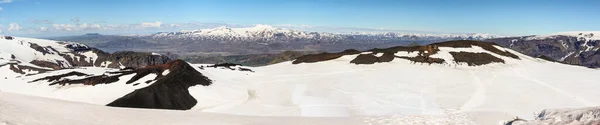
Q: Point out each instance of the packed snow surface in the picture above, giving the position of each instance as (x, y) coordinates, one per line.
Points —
(328, 92)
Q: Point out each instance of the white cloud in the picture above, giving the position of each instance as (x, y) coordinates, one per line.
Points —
(86, 26)
(43, 29)
(64, 27)
(6, 1)
(156, 24)
(14, 27)
(1, 8)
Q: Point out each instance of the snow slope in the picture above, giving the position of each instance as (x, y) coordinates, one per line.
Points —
(336, 88)
(30, 110)
(53, 51)
(396, 92)
(100, 94)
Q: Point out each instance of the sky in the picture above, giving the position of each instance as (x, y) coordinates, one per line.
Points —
(38, 18)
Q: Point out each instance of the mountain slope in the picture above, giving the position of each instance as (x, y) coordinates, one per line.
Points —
(576, 48)
(54, 55)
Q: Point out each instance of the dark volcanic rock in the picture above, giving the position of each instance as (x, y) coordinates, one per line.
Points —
(8, 37)
(423, 59)
(371, 59)
(58, 77)
(365, 59)
(311, 58)
(485, 45)
(46, 64)
(423, 54)
(168, 92)
(475, 59)
(135, 59)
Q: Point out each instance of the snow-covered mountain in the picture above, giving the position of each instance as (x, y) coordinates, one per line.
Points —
(266, 33)
(39, 54)
(577, 47)
(454, 82)
(258, 32)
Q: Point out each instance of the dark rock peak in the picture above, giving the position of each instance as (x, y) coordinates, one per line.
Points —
(168, 92)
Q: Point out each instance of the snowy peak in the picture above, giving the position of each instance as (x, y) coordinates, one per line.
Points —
(582, 35)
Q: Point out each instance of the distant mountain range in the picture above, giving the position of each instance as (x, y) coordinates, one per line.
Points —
(259, 39)
(269, 34)
(577, 48)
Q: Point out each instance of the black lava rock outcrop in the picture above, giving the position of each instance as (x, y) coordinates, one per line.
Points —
(169, 91)
(423, 54)
(475, 59)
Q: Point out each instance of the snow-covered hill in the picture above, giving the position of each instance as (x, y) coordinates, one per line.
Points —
(39, 54)
(455, 82)
(44, 54)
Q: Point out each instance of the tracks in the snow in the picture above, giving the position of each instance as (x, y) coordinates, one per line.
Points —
(478, 97)
(544, 84)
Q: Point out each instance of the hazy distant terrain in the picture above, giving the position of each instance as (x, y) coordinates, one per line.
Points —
(261, 39)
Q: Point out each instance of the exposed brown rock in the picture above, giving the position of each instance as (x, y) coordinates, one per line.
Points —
(58, 77)
(311, 58)
(39, 48)
(365, 59)
(371, 59)
(423, 59)
(135, 59)
(475, 59)
(46, 64)
(15, 69)
(489, 46)
(423, 53)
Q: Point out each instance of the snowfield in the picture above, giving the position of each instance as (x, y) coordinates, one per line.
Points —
(328, 92)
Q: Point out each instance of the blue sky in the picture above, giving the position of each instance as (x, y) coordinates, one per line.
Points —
(502, 17)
